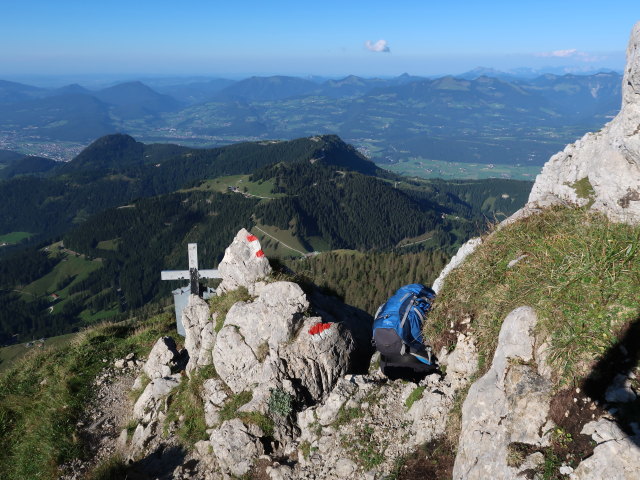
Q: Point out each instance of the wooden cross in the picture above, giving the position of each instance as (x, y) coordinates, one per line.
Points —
(193, 274)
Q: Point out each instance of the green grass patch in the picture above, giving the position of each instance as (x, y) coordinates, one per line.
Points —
(581, 275)
(584, 190)
(256, 418)
(44, 393)
(241, 183)
(15, 237)
(220, 304)
(88, 317)
(278, 243)
(11, 354)
(427, 168)
(347, 414)
(111, 245)
(230, 408)
(186, 402)
(76, 267)
(113, 468)
(364, 448)
(415, 395)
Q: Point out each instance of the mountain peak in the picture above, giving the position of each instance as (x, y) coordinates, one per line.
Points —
(110, 151)
(601, 171)
(631, 81)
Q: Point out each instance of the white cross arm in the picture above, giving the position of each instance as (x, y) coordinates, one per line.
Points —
(209, 273)
(175, 275)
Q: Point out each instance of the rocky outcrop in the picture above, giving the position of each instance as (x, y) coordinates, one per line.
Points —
(615, 456)
(236, 446)
(163, 359)
(507, 405)
(371, 416)
(243, 263)
(200, 335)
(146, 407)
(601, 170)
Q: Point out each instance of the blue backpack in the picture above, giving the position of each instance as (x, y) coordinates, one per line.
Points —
(397, 327)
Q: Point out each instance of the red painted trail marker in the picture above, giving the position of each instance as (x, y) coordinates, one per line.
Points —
(319, 328)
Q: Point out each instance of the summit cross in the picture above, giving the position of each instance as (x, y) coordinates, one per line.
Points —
(193, 274)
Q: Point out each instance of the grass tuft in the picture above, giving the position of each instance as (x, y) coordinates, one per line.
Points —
(221, 304)
(415, 395)
(37, 419)
(581, 275)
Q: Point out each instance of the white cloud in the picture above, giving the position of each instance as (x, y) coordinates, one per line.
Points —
(571, 53)
(379, 46)
(559, 53)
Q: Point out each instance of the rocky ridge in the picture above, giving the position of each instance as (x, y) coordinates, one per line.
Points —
(601, 171)
(300, 356)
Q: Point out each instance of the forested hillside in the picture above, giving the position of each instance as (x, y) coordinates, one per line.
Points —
(116, 169)
(126, 211)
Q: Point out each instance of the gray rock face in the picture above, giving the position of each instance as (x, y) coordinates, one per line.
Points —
(236, 446)
(243, 264)
(620, 390)
(213, 397)
(316, 362)
(268, 341)
(200, 335)
(615, 456)
(274, 317)
(234, 360)
(601, 170)
(162, 358)
(147, 406)
(510, 403)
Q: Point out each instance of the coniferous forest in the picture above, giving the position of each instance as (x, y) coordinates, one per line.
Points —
(110, 220)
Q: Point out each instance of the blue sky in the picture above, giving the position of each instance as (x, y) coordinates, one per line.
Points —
(235, 38)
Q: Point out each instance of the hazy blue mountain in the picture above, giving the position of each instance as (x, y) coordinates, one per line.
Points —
(72, 89)
(133, 100)
(12, 92)
(587, 96)
(350, 86)
(486, 72)
(195, 92)
(63, 117)
(266, 89)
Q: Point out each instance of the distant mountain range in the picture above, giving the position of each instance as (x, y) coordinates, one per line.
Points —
(483, 116)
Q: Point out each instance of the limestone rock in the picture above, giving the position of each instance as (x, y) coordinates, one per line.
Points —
(620, 390)
(317, 361)
(213, 398)
(274, 317)
(236, 446)
(508, 404)
(163, 358)
(200, 335)
(146, 407)
(345, 468)
(601, 170)
(243, 264)
(234, 360)
(463, 252)
(268, 340)
(281, 472)
(615, 456)
(462, 363)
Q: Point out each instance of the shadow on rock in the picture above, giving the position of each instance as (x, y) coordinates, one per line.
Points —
(160, 464)
(611, 381)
